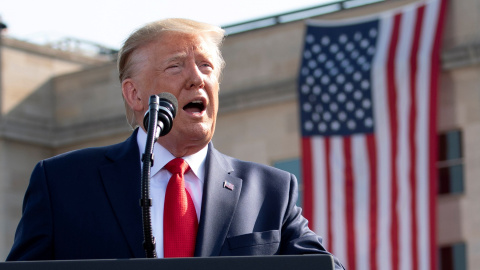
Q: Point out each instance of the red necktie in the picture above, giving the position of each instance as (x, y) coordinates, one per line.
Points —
(179, 218)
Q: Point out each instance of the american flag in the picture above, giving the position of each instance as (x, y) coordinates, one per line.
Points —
(367, 99)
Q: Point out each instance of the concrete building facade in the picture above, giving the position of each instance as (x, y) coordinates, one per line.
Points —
(54, 101)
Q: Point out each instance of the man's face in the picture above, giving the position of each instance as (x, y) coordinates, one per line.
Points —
(183, 65)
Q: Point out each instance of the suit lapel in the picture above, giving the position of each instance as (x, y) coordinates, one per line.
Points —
(121, 179)
(218, 206)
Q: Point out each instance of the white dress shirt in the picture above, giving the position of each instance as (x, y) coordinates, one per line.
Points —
(194, 180)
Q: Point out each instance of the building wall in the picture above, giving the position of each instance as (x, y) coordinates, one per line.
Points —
(27, 120)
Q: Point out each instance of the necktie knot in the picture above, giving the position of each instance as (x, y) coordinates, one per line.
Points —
(177, 166)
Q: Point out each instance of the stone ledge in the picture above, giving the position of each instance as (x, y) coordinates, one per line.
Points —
(47, 51)
(461, 56)
(258, 96)
(48, 135)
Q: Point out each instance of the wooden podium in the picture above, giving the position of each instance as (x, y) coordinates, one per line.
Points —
(288, 262)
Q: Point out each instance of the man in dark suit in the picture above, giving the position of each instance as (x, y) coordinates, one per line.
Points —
(84, 204)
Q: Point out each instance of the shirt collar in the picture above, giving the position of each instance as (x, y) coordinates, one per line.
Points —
(162, 156)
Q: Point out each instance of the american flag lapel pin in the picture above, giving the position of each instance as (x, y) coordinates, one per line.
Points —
(228, 185)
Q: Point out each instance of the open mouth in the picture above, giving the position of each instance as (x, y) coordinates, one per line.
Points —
(194, 107)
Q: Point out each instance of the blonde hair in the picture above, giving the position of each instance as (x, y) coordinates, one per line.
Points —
(153, 31)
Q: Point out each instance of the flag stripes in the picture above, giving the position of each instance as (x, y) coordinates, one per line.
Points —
(369, 182)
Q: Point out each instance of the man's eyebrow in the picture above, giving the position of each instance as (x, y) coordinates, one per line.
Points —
(176, 57)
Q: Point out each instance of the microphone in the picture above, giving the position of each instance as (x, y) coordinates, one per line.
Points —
(158, 121)
(166, 105)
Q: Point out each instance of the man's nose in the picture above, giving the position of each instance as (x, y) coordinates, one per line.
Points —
(195, 78)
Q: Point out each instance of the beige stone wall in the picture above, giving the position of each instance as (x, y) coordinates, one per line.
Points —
(262, 135)
(459, 108)
(459, 215)
(27, 120)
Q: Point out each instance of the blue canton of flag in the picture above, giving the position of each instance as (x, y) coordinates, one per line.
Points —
(334, 82)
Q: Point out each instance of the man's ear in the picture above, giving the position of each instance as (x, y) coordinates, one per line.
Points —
(132, 95)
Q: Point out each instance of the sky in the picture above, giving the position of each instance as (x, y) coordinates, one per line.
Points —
(109, 22)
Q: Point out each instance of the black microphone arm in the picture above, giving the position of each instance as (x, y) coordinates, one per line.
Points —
(158, 121)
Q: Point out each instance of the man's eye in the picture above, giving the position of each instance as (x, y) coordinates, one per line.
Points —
(206, 65)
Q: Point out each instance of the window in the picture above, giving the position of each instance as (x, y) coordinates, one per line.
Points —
(293, 166)
(452, 257)
(450, 163)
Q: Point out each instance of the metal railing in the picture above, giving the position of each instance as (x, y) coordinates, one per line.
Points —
(296, 15)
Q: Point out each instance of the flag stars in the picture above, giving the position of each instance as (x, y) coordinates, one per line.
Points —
(365, 84)
(305, 71)
(348, 87)
(307, 55)
(335, 125)
(371, 50)
(333, 88)
(325, 97)
(333, 107)
(322, 127)
(310, 80)
(329, 64)
(325, 40)
(334, 48)
(335, 81)
(349, 47)
(357, 95)
(366, 67)
(366, 103)
(349, 70)
(357, 36)
(351, 124)
(305, 89)
(308, 125)
(355, 54)
(361, 60)
(322, 58)
(357, 76)
(368, 122)
(327, 116)
(325, 79)
(364, 43)
(350, 106)
(359, 113)
(333, 71)
(310, 39)
(342, 116)
(307, 107)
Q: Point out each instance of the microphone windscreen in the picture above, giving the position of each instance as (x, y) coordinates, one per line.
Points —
(170, 98)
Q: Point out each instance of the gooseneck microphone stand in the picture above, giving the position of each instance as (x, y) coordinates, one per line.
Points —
(147, 159)
(158, 121)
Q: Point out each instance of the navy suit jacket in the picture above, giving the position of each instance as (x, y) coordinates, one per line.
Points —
(85, 205)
